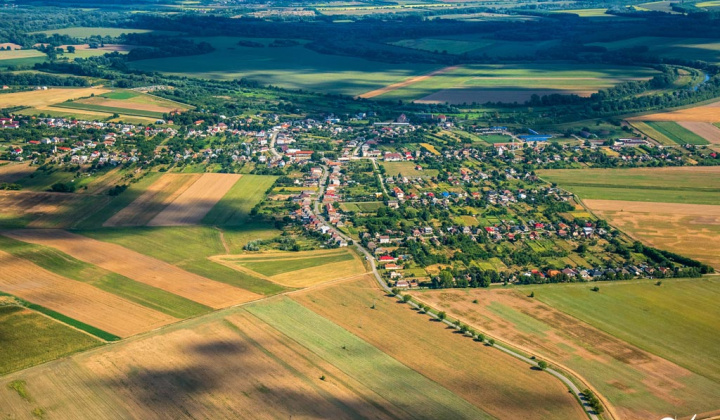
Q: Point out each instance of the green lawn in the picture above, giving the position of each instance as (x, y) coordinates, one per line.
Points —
(293, 67)
(275, 267)
(234, 208)
(29, 338)
(67, 266)
(413, 393)
(669, 185)
(189, 249)
(677, 320)
(677, 133)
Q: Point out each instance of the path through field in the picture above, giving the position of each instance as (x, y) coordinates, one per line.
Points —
(405, 83)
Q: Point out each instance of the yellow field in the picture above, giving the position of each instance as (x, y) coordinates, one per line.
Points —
(706, 113)
(41, 98)
(430, 148)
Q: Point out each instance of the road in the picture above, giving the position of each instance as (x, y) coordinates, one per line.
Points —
(384, 286)
(380, 178)
(273, 137)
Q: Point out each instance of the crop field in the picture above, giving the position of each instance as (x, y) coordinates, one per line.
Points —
(234, 207)
(47, 210)
(21, 57)
(153, 200)
(190, 207)
(649, 131)
(29, 339)
(474, 45)
(409, 391)
(51, 96)
(13, 171)
(592, 13)
(293, 67)
(362, 206)
(567, 325)
(705, 49)
(687, 229)
(483, 83)
(189, 248)
(143, 269)
(86, 32)
(407, 169)
(685, 185)
(297, 269)
(77, 300)
(707, 131)
(706, 113)
(670, 130)
(496, 138)
(125, 102)
(491, 380)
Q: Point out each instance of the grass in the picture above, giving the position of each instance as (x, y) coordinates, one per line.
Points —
(190, 247)
(677, 133)
(677, 321)
(474, 45)
(30, 339)
(496, 138)
(670, 185)
(234, 208)
(415, 394)
(274, 267)
(407, 169)
(704, 49)
(362, 206)
(21, 57)
(109, 109)
(86, 32)
(586, 12)
(67, 266)
(291, 67)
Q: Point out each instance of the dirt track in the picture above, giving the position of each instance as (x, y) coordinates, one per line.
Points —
(77, 300)
(192, 205)
(408, 82)
(138, 267)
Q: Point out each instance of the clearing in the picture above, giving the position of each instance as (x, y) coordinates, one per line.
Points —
(190, 207)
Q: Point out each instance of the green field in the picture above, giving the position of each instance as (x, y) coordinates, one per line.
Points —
(669, 185)
(292, 67)
(705, 49)
(273, 268)
(483, 83)
(109, 109)
(29, 338)
(190, 247)
(476, 45)
(21, 57)
(586, 12)
(362, 207)
(496, 138)
(67, 266)
(417, 395)
(677, 321)
(407, 169)
(676, 133)
(86, 32)
(235, 206)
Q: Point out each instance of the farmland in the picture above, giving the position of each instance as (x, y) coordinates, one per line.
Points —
(125, 102)
(234, 207)
(707, 131)
(597, 334)
(669, 130)
(42, 98)
(705, 113)
(21, 57)
(670, 185)
(293, 67)
(86, 32)
(46, 209)
(474, 45)
(13, 171)
(705, 49)
(297, 269)
(491, 381)
(481, 83)
(30, 339)
(407, 169)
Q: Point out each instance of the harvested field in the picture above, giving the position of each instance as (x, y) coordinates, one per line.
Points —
(11, 172)
(489, 379)
(234, 207)
(404, 83)
(192, 205)
(39, 98)
(155, 198)
(687, 229)
(706, 113)
(77, 300)
(484, 95)
(138, 267)
(705, 130)
(638, 384)
(47, 210)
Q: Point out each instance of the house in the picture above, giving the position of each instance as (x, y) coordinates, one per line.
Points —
(387, 258)
(392, 266)
(384, 239)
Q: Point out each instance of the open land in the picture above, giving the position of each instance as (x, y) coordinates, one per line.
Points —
(623, 339)
(190, 207)
(126, 102)
(687, 229)
(706, 113)
(293, 67)
(234, 207)
(475, 45)
(46, 209)
(12, 171)
(489, 379)
(663, 131)
(30, 338)
(705, 49)
(407, 169)
(51, 96)
(77, 300)
(142, 268)
(86, 32)
(705, 130)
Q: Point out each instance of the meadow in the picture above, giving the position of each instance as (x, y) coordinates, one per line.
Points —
(685, 48)
(586, 13)
(407, 169)
(362, 207)
(42, 98)
(686, 185)
(617, 338)
(234, 207)
(475, 45)
(30, 339)
(481, 83)
(86, 32)
(125, 102)
(293, 67)
(21, 57)
(676, 133)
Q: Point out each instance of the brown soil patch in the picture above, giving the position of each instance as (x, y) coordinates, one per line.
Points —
(138, 267)
(38, 98)
(707, 113)
(611, 365)
(404, 83)
(687, 229)
(11, 172)
(482, 95)
(193, 204)
(705, 130)
(158, 196)
(232, 367)
(485, 377)
(11, 45)
(107, 47)
(77, 300)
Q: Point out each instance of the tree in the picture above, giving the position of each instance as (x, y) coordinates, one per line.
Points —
(406, 298)
(532, 295)
(491, 342)
(441, 315)
(71, 49)
(542, 365)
